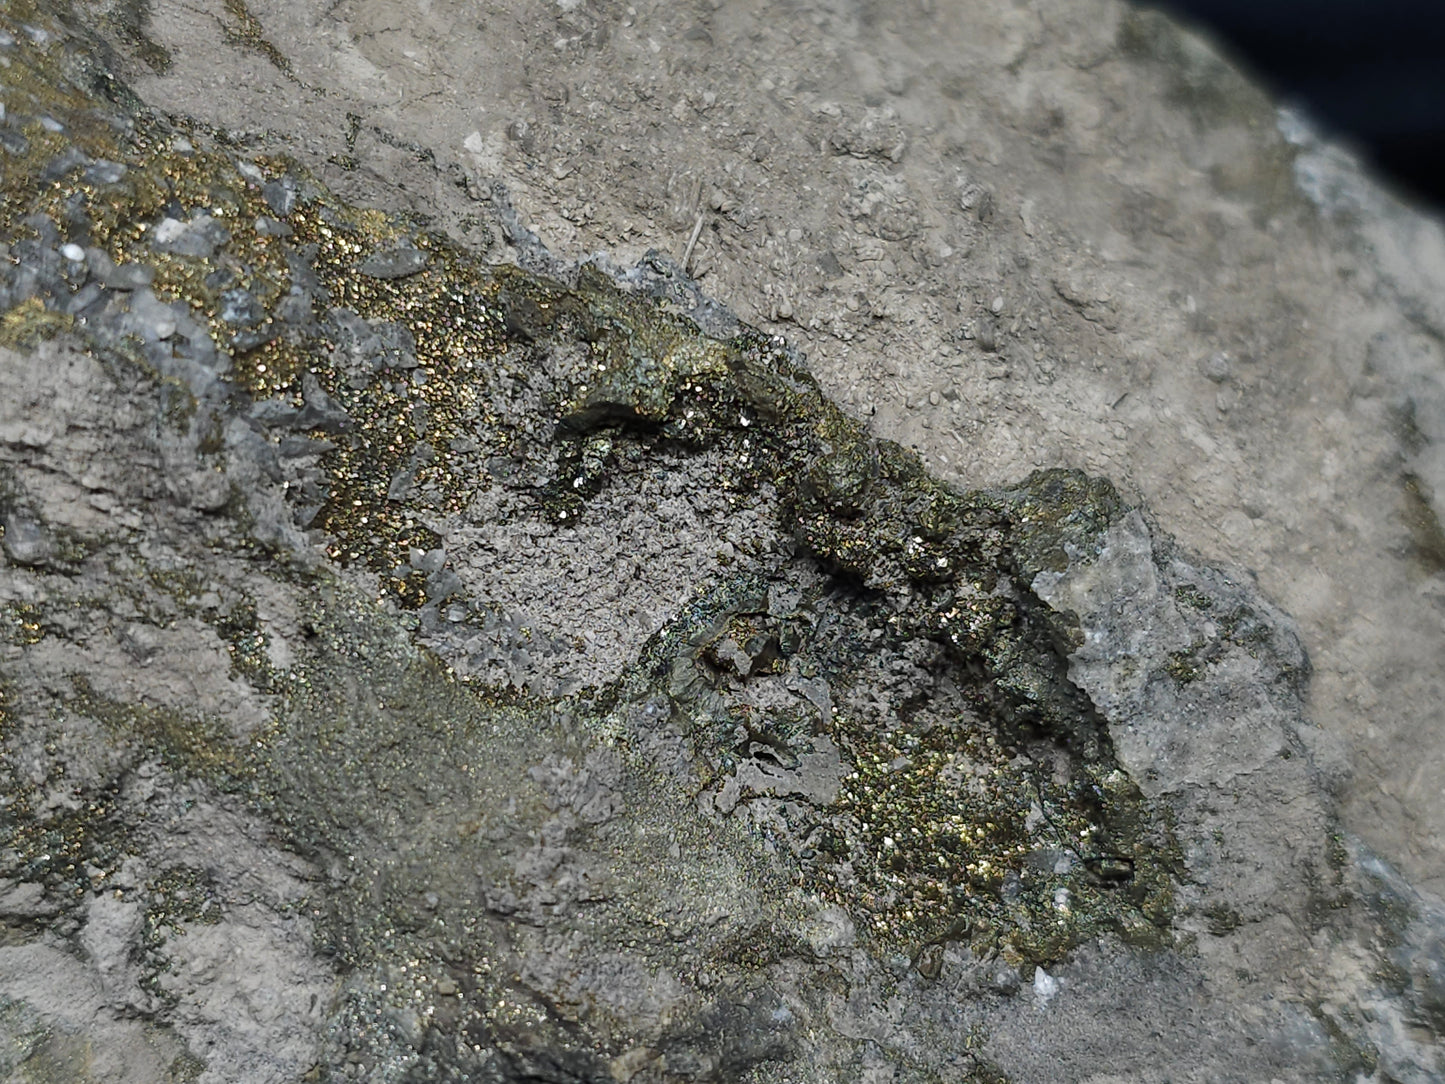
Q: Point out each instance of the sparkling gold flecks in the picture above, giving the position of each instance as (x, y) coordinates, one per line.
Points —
(201, 182)
(21, 624)
(939, 823)
(64, 849)
(161, 176)
(30, 323)
(159, 180)
(410, 422)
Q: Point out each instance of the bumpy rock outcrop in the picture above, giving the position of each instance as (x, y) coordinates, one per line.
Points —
(420, 666)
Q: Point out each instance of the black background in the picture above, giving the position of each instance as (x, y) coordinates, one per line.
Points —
(1371, 72)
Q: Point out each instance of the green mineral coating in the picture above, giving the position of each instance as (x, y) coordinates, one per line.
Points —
(193, 744)
(130, 21)
(246, 31)
(1425, 527)
(180, 895)
(1188, 664)
(30, 323)
(246, 642)
(1190, 595)
(999, 818)
(58, 849)
(1064, 513)
(1240, 626)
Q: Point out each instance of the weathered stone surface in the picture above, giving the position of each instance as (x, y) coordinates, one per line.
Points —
(419, 668)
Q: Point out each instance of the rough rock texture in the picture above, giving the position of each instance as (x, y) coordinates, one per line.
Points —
(1016, 236)
(426, 658)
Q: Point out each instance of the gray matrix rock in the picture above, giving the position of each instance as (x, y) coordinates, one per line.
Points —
(423, 658)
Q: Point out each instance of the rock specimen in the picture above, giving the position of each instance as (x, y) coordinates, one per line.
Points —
(418, 667)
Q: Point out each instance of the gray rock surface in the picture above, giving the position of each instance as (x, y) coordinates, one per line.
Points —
(423, 657)
(1087, 205)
